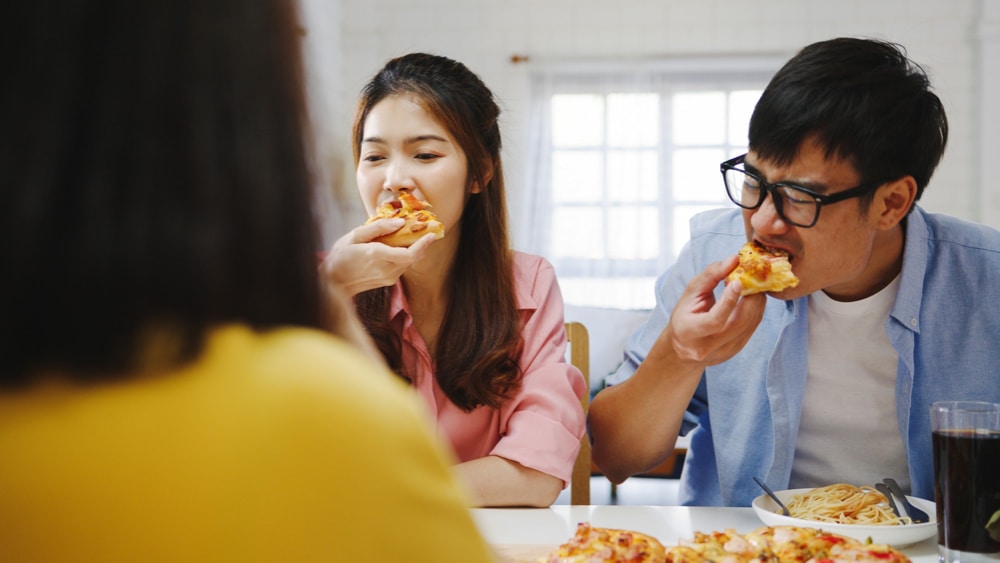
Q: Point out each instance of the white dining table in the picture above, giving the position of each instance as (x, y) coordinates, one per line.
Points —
(525, 534)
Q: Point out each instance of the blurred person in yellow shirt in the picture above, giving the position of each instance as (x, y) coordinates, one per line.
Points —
(170, 389)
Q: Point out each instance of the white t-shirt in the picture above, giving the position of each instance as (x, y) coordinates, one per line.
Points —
(849, 432)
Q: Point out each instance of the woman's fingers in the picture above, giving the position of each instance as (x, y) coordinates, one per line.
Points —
(371, 231)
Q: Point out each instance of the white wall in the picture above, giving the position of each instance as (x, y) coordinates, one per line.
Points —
(957, 42)
(323, 55)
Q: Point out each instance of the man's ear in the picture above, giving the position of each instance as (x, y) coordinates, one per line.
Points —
(894, 200)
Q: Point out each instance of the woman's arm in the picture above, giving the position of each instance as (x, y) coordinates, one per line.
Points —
(341, 320)
(542, 422)
(495, 481)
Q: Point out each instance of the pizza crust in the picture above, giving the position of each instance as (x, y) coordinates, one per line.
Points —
(762, 270)
(420, 220)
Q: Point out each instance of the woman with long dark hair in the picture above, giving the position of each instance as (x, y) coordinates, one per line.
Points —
(475, 327)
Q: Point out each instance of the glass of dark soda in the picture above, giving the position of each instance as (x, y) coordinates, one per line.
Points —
(966, 445)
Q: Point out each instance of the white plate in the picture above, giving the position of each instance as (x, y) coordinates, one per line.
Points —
(897, 536)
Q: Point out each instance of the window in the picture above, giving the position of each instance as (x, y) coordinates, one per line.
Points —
(625, 160)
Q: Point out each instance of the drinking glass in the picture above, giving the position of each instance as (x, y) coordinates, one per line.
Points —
(966, 444)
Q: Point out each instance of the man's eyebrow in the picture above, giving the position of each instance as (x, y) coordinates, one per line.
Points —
(817, 187)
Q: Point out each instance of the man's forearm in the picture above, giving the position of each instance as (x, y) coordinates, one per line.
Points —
(635, 424)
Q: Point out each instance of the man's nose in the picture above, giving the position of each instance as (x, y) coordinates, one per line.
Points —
(766, 219)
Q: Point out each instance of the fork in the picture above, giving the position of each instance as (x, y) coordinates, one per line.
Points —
(774, 497)
(884, 489)
(918, 516)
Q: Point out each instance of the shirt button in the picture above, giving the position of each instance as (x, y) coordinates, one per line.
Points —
(913, 322)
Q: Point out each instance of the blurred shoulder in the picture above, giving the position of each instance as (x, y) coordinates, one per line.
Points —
(529, 263)
(299, 368)
(534, 280)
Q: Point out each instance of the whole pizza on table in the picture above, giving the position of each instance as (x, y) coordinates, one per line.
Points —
(768, 544)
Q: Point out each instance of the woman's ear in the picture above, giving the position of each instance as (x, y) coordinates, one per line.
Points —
(894, 200)
(477, 185)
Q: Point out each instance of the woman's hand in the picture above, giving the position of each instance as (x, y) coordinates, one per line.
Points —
(357, 264)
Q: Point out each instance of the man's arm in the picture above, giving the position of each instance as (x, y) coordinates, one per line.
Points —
(635, 424)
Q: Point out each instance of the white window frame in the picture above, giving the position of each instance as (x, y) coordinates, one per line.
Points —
(666, 78)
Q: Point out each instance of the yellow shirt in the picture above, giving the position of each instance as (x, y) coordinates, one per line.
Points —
(284, 446)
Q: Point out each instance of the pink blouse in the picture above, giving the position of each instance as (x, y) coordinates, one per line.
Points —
(541, 425)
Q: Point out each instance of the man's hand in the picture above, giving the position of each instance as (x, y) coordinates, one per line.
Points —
(634, 425)
(705, 331)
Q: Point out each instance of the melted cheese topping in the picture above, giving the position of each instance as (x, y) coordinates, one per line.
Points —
(762, 270)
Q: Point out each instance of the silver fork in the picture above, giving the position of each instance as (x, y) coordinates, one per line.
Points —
(918, 516)
(884, 489)
(774, 497)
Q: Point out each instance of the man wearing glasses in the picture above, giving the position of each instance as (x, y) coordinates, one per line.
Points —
(829, 381)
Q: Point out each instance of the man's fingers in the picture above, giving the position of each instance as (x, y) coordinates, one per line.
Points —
(709, 278)
(750, 310)
(719, 270)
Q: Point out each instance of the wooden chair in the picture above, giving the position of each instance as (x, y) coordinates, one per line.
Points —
(579, 356)
(584, 468)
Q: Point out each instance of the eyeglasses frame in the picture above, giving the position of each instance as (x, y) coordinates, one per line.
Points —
(768, 188)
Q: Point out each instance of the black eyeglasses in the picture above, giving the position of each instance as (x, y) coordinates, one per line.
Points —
(794, 204)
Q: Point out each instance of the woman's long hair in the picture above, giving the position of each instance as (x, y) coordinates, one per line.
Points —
(154, 174)
(477, 356)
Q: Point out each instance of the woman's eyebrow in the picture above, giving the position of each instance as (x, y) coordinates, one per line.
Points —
(427, 137)
(408, 140)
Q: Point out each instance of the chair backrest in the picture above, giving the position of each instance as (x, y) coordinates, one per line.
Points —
(579, 356)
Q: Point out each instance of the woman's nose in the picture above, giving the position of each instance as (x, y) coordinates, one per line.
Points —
(397, 178)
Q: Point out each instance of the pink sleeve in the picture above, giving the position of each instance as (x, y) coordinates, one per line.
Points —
(542, 424)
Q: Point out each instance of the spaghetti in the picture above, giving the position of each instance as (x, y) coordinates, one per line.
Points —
(845, 504)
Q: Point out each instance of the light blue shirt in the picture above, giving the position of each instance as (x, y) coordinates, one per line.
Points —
(944, 325)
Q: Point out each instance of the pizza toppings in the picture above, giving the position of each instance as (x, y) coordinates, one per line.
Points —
(597, 545)
(420, 220)
(762, 270)
(770, 544)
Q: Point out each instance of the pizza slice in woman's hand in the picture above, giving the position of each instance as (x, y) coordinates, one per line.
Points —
(420, 220)
(762, 270)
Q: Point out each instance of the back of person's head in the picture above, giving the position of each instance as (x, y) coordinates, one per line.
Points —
(863, 100)
(155, 175)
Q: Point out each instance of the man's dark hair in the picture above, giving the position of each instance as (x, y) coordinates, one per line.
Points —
(863, 100)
